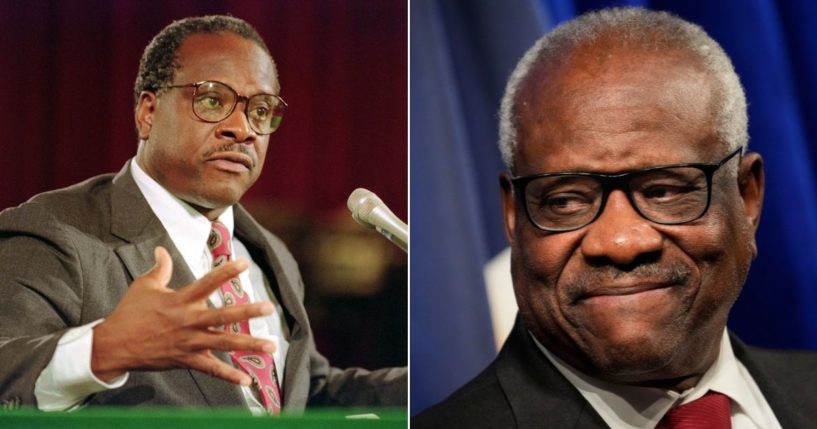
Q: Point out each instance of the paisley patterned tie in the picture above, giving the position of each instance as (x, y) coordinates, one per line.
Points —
(260, 366)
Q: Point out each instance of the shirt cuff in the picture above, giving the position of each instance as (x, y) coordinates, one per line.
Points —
(68, 380)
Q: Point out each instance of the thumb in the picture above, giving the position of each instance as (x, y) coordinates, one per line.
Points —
(164, 266)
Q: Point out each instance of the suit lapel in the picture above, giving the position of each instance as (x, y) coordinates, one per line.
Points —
(133, 221)
(252, 235)
(780, 399)
(538, 394)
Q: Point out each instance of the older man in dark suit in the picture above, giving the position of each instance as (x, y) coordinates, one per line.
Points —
(631, 208)
(107, 282)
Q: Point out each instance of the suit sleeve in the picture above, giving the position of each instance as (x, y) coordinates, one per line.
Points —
(40, 285)
(356, 387)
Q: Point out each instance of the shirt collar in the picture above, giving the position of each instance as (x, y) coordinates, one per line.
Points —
(187, 228)
(623, 406)
(728, 376)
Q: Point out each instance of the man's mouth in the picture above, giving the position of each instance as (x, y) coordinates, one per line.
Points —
(641, 294)
(617, 286)
(233, 162)
(624, 289)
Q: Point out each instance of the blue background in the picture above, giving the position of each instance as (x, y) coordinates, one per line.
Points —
(461, 55)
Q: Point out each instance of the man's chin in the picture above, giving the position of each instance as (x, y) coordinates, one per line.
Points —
(214, 202)
(634, 362)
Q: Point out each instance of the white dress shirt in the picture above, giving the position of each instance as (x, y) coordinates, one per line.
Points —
(633, 407)
(68, 379)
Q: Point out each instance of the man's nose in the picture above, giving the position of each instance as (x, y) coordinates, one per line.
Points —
(236, 127)
(620, 234)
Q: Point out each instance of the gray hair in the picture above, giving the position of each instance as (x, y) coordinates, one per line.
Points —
(653, 30)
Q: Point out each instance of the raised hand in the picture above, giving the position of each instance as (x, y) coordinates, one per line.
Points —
(155, 327)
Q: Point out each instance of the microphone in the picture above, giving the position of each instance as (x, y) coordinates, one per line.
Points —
(370, 211)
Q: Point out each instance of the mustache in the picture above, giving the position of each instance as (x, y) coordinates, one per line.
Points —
(233, 147)
(587, 280)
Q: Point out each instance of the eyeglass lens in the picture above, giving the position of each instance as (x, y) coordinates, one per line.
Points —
(214, 101)
(671, 195)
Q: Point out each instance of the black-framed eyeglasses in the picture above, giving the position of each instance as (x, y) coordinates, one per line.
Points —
(667, 195)
(214, 101)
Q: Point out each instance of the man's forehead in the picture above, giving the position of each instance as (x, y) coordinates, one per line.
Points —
(615, 110)
(616, 157)
(229, 58)
(595, 66)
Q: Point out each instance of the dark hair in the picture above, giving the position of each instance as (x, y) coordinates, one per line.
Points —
(159, 61)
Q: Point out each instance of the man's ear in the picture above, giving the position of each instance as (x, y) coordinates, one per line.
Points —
(751, 183)
(508, 206)
(144, 113)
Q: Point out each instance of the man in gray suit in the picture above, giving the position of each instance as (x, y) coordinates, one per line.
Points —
(631, 206)
(110, 296)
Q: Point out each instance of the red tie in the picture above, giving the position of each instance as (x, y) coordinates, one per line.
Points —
(260, 366)
(711, 411)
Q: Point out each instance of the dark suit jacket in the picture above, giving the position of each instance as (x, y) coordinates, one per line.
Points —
(68, 257)
(522, 389)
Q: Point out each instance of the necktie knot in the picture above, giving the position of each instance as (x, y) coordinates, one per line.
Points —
(219, 243)
(711, 411)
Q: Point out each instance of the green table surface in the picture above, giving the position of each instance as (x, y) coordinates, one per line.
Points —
(175, 418)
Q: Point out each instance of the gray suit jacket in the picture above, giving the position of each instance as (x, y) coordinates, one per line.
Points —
(522, 389)
(68, 257)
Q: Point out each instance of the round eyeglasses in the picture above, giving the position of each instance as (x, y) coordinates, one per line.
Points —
(214, 101)
(667, 195)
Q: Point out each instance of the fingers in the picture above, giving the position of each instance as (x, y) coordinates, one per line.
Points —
(226, 342)
(232, 313)
(211, 365)
(161, 272)
(203, 287)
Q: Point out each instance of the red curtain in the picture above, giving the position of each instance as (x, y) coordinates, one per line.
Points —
(66, 80)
